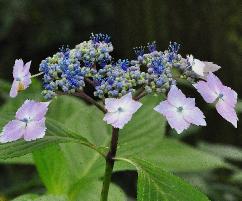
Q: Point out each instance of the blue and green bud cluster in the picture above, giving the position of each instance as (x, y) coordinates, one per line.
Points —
(62, 72)
(68, 70)
(118, 79)
(65, 70)
(158, 66)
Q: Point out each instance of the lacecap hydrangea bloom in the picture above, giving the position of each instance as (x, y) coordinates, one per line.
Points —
(180, 111)
(29, 123)
(22, 77)
(120, 110)
(120, 84)
(225, 99)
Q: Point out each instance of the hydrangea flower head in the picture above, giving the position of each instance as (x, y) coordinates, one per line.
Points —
(180, 111)
(225, 99)
(22, 77)
(120, 110)
(29, 123)
(202, 68)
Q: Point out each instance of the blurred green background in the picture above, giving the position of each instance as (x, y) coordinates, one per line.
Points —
(209, 29)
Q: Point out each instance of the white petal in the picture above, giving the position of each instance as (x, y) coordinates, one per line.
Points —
(198, 67)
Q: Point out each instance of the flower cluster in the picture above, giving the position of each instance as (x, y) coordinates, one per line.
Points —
(65, 70)
(121, 84)
(61, 72)
(118, 79)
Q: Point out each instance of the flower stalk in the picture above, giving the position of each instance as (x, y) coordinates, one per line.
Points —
(109, 164)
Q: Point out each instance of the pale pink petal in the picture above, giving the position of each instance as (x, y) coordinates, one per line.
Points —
(203, 88)
(14, 89)
(131, 106)
(13, 131)
(26, 81)
(35, 130)
(32, 110)
(18, 68)
(227, 112)
(123, 119)
(111, 104)
(210, 67)
(194, 116)
(198, 67)
(229, 96)
(189, 104)
(120, 110)
(166, 109)
(214, 83)
(178, 123)
(175, 97)
(117, 120)
(26, 68)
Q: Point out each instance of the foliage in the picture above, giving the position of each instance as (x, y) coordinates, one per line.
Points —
(67, 168)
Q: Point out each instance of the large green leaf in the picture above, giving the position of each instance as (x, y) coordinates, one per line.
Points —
(156, 184)
(56, 133)
(77, 166)
(143, 138)
(222, 150)
(32, 197)
(239, 106)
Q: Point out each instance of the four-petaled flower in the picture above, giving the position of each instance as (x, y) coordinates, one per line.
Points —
(29, 123)
(213, 91)
(22, 77)
(120, 110)
(180, 111)
(202, 68)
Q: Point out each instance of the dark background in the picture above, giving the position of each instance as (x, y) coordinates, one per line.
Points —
(209, 29)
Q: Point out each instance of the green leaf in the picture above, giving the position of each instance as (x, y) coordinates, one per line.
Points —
(175, 156)
(4, 88)
(53, 169)
(223, 151)
(156, 184)
(89, 189)
(24, 160)
(144, 138)
(239, 106)
(56, 133)
(77, 166)
(32, 197)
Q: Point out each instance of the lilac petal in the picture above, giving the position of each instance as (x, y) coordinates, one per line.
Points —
(189, 104)
(166, 109)
(32, 110)
(131, 106)
(123, 119)
(111, 104)
(194, 116)
(13, 131)
(26, 81)
(178, 123)
(214, 83)
(229, 96)
(176, 97)
(14, 89)
(35, 130)
(18, 68)
(203, 88)
(227, 112)
(117, 120)
(26, 68)
(174, 118)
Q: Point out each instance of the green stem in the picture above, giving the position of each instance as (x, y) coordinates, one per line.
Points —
(36, 75)
(89, 99)
(109, 164)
